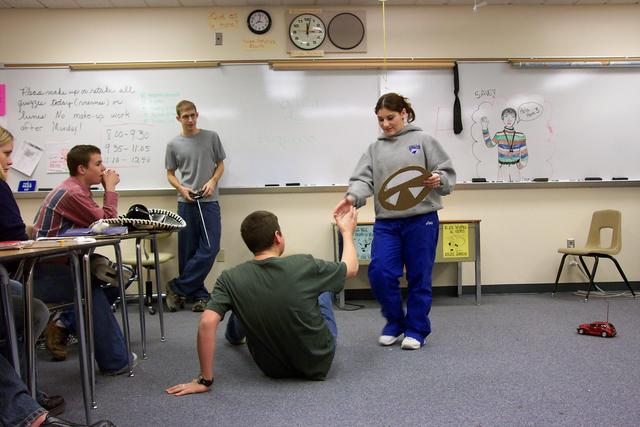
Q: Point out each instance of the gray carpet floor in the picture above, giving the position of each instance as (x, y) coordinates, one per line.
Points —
(516, 360)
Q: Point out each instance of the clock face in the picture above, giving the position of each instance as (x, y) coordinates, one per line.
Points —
(259, 21)
(307, 31)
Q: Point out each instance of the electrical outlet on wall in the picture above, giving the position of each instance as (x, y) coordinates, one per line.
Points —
(218, 39)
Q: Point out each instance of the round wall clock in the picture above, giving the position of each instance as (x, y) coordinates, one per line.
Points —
(259, 21)
(346, 31)
(307, 31)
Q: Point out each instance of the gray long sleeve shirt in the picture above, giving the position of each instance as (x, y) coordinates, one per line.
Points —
(409, 147)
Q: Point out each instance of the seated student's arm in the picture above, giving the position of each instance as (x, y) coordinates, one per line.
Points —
(83, 211)
(206, 352)
(347, 223)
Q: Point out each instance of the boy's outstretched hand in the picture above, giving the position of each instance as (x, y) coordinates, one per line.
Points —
(347, 220)
(187, 388)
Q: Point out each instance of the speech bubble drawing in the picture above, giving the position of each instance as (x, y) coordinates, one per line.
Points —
(529, 111)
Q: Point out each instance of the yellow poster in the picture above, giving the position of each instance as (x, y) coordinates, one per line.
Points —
(455, 240)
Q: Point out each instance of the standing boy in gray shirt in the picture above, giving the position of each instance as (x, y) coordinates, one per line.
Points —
(198, 155)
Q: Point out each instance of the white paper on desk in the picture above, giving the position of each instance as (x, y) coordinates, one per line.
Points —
(26, 157)
(57, 157)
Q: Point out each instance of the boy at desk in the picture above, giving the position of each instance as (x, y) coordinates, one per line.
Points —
(282, 305)
(71, 205)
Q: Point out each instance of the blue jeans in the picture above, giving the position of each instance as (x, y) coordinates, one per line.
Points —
(404, 243)
(17, 407)
(40, 318)
(235, 330)
(195, 256)
(54, 284)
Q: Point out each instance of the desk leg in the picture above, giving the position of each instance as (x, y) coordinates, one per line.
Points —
(9, 324)
(143, 330)
(154, 244)
(82, 333)
(88, 303)
(29, 339)
(459, 278)
(123, 306)
(477, 267)
(341, 303)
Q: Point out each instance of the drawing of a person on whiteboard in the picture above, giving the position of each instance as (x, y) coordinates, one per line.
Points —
(512, 146)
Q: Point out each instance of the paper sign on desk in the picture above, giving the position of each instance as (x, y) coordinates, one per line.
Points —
(3, 99)
(455, 240)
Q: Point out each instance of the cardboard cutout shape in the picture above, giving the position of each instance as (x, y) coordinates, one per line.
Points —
(404, 189)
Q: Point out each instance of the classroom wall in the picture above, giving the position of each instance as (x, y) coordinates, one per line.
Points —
(521, 229)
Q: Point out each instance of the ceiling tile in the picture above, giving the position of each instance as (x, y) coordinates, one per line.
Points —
(162, 3)
(25, 4)
(196, 3)
(93, 4)
(59, 4)
(128, 3)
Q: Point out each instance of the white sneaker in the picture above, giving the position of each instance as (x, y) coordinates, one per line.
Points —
(409, 343)
(387, 340)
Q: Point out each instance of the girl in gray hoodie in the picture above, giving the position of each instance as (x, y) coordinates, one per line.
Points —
(407, 172)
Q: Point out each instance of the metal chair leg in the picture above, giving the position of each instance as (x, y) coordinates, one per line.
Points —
(555, 287)
(622, 274)
(591, 274)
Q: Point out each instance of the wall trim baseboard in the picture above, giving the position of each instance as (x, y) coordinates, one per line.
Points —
(528, 288)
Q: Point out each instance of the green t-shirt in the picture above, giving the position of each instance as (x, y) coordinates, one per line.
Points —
(276, 300)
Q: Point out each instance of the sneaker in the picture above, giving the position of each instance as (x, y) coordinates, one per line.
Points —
(198, 306)
(107, 271)
(58, 422)
(409, 343)
(387, 340)
(241, 342)
(174, 301)
(55, 405)
(125, 368)
(56, 337)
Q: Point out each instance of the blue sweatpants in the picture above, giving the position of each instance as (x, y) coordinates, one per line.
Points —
(196, 255)
(404, 243)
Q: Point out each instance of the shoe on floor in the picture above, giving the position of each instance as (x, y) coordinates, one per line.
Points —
(241, 342)
(409, 343)
(387, 340)
(56, 337)
(174, 301)
(54, 405)
(198, 306)
(57, 422)
(107, 271)
(125, 368)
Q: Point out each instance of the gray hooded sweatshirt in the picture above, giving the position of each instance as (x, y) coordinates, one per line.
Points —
(409, 147)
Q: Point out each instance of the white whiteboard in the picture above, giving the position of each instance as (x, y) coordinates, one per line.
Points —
(312, 127)
(276, 127)
(578, 122)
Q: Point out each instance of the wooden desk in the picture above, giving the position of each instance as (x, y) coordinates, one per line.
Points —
(458, 241)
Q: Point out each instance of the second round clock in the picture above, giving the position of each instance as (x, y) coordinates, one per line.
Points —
(307, 31)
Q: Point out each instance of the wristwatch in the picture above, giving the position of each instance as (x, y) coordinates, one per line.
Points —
(205, 382)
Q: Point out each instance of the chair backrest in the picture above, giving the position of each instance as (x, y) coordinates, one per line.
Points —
(600, 220)
(146, 244)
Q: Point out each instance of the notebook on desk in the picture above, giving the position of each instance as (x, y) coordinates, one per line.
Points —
(109, 231)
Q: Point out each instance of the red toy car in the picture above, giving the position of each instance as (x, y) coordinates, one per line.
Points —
(604, 329)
